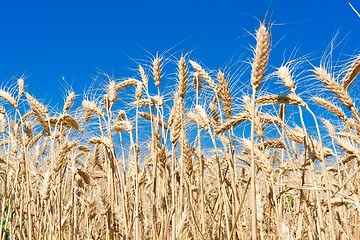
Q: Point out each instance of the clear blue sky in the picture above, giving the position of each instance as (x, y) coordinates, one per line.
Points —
(48, 40)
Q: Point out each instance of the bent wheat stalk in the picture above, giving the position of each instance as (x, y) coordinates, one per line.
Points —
(257, 75)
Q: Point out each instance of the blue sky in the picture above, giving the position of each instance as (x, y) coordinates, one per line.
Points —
(49, 40)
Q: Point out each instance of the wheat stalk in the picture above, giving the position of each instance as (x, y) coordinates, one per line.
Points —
(259, 64)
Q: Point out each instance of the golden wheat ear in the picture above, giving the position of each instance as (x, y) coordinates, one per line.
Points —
(157, 71)
(21, 87)
(69, 102)
(261, 57)
(91, 107)
(204, 75)
(3, 123)
(351, 73)
(9, 98)
(36, 104)
(225, 94)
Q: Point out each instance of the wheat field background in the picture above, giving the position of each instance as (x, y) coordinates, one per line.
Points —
(203, 161)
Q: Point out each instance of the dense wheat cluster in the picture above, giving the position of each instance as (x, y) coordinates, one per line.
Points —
(132, 163)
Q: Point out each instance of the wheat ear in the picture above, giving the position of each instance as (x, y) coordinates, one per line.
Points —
(291, 99)
(197, 81)
(39, 106)
(69, 102)
(127, 83)
(91, 107)
(123, 126)
(183, 79)
(203, 74)
(285, 75)
(157, 71)
(225, 94)
(144, 77)
(3, 124)
(20, 87)
(331, 107)
(2, 110)
(351, 73)
(9, 98)
(121, 115)
(154, 119)
(177, 121)
(261, 57)
(232, 122)
(331, 84)
(214, 115)
(112, 95)
(200, 117)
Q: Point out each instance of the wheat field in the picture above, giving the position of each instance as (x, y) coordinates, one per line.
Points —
(137, 160)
